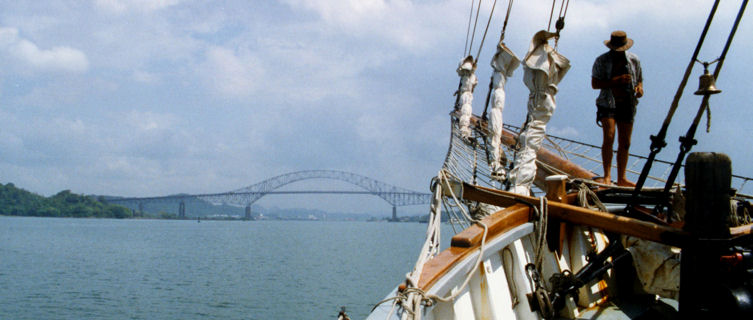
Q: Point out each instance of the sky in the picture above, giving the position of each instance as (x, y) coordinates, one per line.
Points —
(157, 97)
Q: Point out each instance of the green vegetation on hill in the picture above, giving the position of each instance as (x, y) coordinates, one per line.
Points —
(19, 202)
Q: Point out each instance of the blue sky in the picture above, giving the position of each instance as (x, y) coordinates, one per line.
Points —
(142, 98)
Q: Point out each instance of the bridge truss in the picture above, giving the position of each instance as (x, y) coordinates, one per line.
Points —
(246, 196)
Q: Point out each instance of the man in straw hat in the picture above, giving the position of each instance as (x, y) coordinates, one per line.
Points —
(618, 75)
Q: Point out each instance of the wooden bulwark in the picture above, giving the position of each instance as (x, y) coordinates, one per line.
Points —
(497, 223)
(469, 240)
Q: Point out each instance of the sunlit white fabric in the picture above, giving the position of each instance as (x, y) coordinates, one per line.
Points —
(468, 81)
(504, 63)
(543, 69)
(657, 267)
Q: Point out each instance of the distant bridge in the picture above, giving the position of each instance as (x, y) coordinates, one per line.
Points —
(245, 197)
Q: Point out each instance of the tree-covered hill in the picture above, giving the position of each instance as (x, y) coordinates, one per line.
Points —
(19, 202)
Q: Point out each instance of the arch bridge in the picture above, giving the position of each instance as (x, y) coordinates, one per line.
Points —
(245, 197)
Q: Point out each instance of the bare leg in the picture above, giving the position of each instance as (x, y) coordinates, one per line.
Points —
(624, 131)
(607, 125)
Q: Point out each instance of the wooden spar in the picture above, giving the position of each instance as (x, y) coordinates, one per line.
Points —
(581, 216)
(510, 139)
(743, 230)
(573, 170)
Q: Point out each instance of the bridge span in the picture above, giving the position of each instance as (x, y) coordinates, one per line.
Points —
(245, 197)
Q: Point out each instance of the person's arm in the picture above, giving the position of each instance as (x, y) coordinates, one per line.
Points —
(639, 90)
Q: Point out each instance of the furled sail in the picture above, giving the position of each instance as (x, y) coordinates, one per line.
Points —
(543, 69)
(504, 63)
(468, 81)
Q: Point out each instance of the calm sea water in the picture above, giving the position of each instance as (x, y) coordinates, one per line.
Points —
(160, 269)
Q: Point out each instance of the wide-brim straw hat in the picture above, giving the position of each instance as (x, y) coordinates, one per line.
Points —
(619, 41)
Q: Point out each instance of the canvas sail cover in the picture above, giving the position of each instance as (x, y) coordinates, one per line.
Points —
(504, 63)
(468, 81)
(543, 69)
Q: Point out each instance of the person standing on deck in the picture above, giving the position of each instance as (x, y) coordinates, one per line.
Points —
(618, 75)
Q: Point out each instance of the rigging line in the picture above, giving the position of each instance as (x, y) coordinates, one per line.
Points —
(466, 49)
(488, 22)
(729, 40)
(560, 24)
(475, 23)
(687, 141)
(658, 141)
(501, 37)
(549, 25)
(565, 6)
(507, 16)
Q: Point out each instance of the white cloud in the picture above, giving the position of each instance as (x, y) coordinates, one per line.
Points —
(233, 73)
(121, 6)
(566, 132)
(407, 24)
(8, 36)
(60, 58)
(145, 77)
(599, 15)
(364, 79)
(145, 122)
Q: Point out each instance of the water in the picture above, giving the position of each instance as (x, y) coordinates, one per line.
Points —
(161, 269)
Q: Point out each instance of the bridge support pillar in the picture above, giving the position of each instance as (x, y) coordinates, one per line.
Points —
(394, 213)
(141, 209)
(182, 210)
(248, 212)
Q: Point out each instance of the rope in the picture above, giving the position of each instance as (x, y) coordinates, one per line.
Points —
(658, 142)
(501, 37)
(412, 297)
(494, 5)
(453, 196)
(473, 35)
(708, 119)
(588, 156)
(587, 198)
(549, 25)
(565, 5)
(466, 48)
(408, 299)
(507, 16)
(542, 213)
(508, 274)
(466, 160)
(685, 141)
(560, 24)
(470, 274)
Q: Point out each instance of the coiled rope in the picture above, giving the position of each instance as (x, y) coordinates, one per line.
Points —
(412, 298)
(587, 198)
